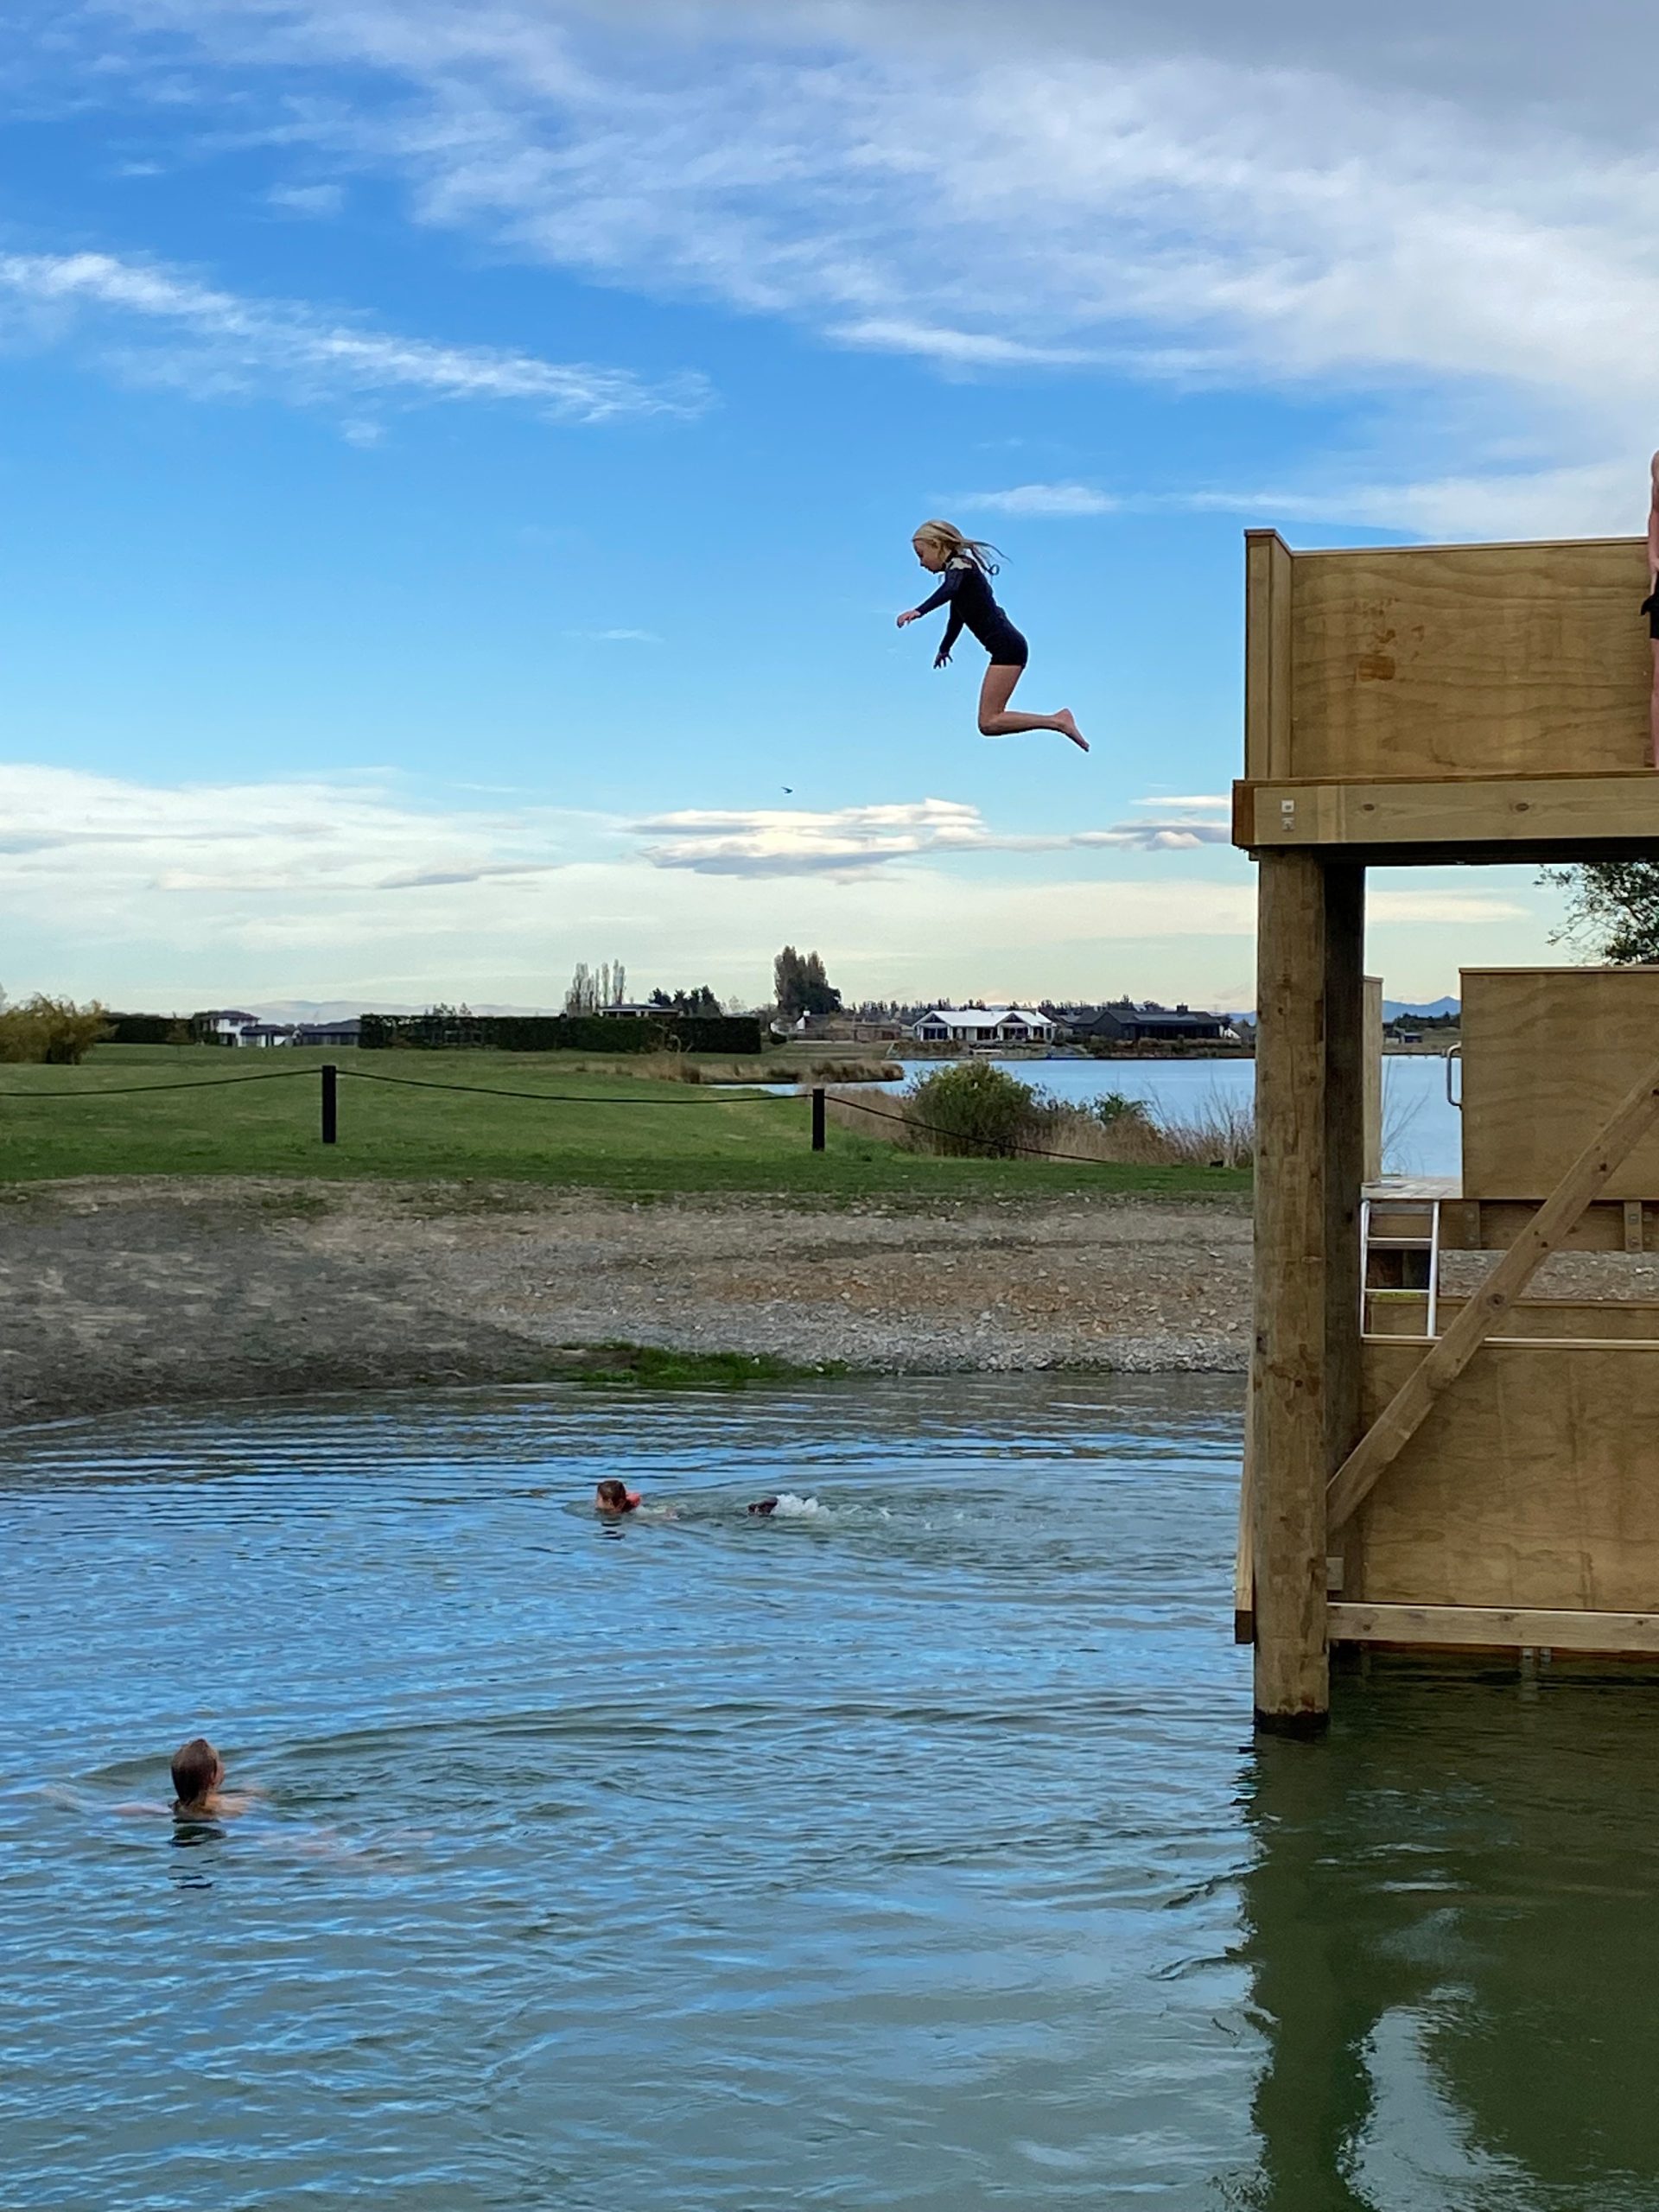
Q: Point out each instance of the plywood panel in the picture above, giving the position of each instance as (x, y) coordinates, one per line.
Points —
(1548, 1053)
(1533, 1483)
(1405, 1313)
(1494, 1224)
(1469, 659)
(1480, 814)
(1496, 1627)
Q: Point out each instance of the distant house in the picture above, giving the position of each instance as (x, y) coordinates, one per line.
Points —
(228, 1022)
(232, 1026)
(981, 1025)
(1151, 1024)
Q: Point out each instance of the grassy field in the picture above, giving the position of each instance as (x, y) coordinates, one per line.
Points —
(665, 1138)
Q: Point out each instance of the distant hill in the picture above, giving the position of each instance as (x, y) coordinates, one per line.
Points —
(343, 1009)
(1392, 1010)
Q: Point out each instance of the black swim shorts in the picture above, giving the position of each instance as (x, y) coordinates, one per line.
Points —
(1651, 608)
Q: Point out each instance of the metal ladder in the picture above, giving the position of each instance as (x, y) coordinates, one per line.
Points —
(1426, 1240)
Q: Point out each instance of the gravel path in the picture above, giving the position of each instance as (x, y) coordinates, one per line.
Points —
(159, 1291)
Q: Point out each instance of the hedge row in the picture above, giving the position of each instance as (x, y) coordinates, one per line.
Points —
(140, 1028)
(561, 1032)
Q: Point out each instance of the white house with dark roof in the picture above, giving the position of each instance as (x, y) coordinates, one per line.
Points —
(981, 1025)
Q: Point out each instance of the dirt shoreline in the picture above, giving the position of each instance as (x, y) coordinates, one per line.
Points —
(165, 1291)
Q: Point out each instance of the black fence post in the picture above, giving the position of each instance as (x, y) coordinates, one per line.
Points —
(330, 1103)
(817, 1117)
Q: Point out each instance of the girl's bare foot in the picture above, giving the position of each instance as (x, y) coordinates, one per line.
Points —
(1067, 723)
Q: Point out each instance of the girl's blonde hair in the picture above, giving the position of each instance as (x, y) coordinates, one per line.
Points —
(950, 541)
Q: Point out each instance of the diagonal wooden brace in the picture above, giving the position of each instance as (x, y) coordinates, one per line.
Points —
(1402, 1416)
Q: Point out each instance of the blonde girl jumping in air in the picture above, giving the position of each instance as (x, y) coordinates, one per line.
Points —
(965, 567)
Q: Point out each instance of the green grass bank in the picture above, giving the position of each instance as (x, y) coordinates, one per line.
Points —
(126, 1112)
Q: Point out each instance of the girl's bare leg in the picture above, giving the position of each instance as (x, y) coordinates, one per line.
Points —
(995, 720)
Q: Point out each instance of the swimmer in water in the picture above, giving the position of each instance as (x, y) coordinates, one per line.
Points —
(613, 1499)
(965, 567)
(198, 1775)
(763, 1505)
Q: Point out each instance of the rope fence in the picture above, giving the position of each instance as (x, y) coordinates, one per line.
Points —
(330, 1074)
(136, 1089)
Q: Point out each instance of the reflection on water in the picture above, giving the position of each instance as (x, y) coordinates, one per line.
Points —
(908, 1851)
(1450, 1934)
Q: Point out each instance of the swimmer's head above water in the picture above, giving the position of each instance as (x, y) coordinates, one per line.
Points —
(197, 1772)
(615, 1497)
(763, 1505)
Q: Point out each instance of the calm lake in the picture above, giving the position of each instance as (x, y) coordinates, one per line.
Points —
(909, 1850)
(1422, 1130)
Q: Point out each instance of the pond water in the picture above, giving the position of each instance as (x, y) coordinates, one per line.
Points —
(907, 1851)
(1422, 1131)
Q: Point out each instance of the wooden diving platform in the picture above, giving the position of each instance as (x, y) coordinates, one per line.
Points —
(1460, 1464)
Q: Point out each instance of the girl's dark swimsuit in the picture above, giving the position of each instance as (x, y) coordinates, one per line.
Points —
(967, 589)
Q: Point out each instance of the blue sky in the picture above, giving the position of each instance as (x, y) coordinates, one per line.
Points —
(459, 464)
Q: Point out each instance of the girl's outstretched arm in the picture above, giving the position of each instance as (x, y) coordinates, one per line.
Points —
(946, 593)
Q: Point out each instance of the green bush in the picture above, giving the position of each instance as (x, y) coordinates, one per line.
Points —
(971, 1108)
(1112, 1108)
(55, 1032)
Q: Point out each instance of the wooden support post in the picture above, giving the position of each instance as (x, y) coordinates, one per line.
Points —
(1402, 1416)
(1373, 1077)
(1267, 655)
(1345, 1042)
(1287, 1434)
(817, 1117)
(330, 1103)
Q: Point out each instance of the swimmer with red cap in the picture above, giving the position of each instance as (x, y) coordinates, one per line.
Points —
(613, 1499)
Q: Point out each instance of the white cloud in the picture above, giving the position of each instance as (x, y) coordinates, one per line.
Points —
(121, 842)
(1197, 193)
(1041, 499)
(166, 326)
(953, 349)
(1450, 907)
(182, 895)
(1206, 802)
(1592, 500)
(318, 200)
(617, 637)
(853, 840)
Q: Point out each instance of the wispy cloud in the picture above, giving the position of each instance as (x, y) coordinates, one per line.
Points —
(319, 201)
(179, 895)
(856, 840)
(1445, 907)
(1162, 192)
(617, 637)
(352, 838)
(954, 349)
(163, 324)
(1040, 499)
(1582, 501)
